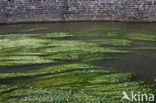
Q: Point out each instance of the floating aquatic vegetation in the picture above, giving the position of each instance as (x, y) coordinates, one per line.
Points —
(16, 36)
(22, 51)
(74, 79)
(115, 42)
(79, 50)
(139, 36)
(102, 31)
(51, 69)
(27, 42)
(144, 48)
(1, 40)
(55, 35)
(13, 75)
(32, 50)
(35, 29)
(93, 93)
(7, 36)
(107, 30)
(23, 60)
(71, 45)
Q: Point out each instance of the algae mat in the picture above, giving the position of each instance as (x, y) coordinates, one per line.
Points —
(52, 68)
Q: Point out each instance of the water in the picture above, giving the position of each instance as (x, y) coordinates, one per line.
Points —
(141, 60)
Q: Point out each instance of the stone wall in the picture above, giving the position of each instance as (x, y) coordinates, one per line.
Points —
(13, 11)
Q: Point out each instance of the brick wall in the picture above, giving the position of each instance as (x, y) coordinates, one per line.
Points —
(12, 11)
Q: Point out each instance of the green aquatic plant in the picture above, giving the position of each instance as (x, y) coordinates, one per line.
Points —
(21, 60)
(32, 51)
(54, 69)
(16, 36)
(55, 35)
(26, 42)
(35, 29)
(21, 51)
(40, 69)
(79, 50)
(114, 42)
(92, 93)
(105, 30)
(143, 48)
(141, 36)
(71, 45)
(78, 79)
(102, 31)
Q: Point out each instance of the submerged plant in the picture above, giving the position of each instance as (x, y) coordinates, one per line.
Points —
(55, 35)
(41, 69)
(114, 42)
(35, 29)
(141, 36)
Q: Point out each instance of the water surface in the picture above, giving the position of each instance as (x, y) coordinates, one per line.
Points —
(142, 60)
